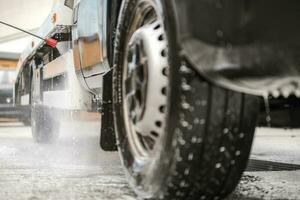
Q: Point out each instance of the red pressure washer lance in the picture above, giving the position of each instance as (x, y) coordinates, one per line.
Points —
(49, 41)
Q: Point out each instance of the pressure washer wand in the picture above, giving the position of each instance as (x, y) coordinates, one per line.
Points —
(49, 41)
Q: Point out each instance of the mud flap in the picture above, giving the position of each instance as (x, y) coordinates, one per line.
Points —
(107, 139)
(246, 46)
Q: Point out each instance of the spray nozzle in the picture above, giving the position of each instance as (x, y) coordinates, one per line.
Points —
(51, 42)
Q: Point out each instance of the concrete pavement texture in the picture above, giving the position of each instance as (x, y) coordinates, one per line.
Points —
(76, 167)
(279, 150)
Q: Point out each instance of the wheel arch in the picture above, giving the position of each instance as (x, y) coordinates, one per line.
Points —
(241, 45)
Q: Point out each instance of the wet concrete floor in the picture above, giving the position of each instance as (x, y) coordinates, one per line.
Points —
(76, 167)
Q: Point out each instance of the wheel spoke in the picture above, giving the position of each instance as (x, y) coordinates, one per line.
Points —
(149, 142)
(129, 87)
(142, 81)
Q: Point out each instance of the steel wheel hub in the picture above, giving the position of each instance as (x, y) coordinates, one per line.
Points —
(145, 84)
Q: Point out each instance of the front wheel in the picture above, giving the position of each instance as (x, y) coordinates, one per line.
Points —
(180, 137)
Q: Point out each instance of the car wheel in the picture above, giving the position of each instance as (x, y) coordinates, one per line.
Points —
(44, 126)
(179, 136)
(45, 129)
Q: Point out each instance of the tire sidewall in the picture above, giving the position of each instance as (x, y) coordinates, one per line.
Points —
(148, 182)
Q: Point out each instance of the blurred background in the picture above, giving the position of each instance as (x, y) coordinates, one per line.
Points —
(76, 167)
(28, 15)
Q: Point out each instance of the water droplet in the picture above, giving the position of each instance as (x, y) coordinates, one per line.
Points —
(185, 69)
(181, 141)
(268, 111)
(171, 185)
(275, 93)
(242, 135)
(225, 131)
(222, 149)
(202, 121)
(191, 156)
(179, 159)
(204, 103)
(182, 183)
(185, 86)
(218, 165)
(220, 33)
(185, 105)
(196, 121)
(186, 171)
(184, 123)
(194, 139)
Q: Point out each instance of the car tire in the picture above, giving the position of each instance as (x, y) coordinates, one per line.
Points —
(208, 134)
(44, 125)
(45, 129)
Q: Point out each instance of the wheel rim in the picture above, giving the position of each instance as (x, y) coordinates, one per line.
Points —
(145, 81)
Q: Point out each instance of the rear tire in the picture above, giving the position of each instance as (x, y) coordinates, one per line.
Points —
(45, 129)
(44, 125)
(207, 139)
